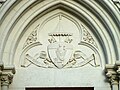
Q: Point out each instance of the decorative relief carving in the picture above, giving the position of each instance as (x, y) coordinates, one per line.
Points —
(32, 38)
(111, 74)
(60, 55)
(6, 79)
(87, 37)
(61, 52)
(113, 79)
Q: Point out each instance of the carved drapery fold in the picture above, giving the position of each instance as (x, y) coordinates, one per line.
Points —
(64, 46)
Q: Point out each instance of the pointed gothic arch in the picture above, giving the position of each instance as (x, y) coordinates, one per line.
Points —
(82, 15)
(100, 17)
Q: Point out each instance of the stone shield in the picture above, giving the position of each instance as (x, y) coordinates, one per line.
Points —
(60, 53)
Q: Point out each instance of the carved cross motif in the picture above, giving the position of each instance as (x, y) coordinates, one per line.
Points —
(60, 52)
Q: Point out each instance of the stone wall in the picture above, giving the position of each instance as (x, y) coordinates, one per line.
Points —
(59, 43)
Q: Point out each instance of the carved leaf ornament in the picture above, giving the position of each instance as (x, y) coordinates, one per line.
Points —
(60, 52)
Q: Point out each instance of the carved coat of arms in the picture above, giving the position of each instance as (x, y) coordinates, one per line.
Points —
(60, 52)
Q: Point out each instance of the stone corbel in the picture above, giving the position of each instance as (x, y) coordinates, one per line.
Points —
(1, 68)
(117, 64)
(112, 77)
(7, 77)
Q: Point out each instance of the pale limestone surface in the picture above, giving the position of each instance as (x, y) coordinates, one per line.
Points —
(59, 43)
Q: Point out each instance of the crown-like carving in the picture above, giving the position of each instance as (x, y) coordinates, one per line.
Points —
(60, 34)
(60, 51)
